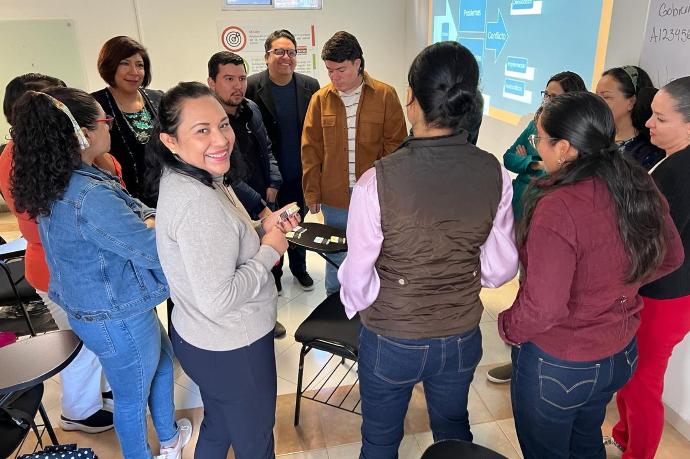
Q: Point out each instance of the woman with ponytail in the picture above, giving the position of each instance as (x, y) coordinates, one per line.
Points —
(101, 252)
(428, 226)
(593, 231)
(628, 91)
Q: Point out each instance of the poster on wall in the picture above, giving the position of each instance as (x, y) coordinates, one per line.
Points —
(520, 44)
(666, 41)
(247, 40)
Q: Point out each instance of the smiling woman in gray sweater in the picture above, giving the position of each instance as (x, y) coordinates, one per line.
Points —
(218, 265)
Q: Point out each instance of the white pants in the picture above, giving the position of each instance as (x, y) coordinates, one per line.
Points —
(83, 379)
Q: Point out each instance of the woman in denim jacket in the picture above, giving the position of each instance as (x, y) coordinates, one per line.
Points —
(101, 252)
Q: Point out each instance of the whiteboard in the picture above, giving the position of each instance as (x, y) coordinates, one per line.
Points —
(666, 50)
(44, 46)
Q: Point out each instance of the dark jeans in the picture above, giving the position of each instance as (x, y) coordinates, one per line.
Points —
(238, 389)
(297, 256)
(559, 405)
(389, 368)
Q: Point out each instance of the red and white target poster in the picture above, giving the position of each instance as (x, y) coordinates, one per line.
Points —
(247, 40)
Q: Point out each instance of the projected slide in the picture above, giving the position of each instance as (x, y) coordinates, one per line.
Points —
(520, 44)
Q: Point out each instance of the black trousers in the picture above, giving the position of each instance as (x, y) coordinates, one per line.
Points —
(238, 389)
(297, 256)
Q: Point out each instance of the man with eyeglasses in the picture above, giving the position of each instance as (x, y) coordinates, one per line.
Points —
(282, 96)
(350, 123)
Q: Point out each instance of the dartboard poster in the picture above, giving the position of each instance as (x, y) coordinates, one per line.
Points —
(247, 40)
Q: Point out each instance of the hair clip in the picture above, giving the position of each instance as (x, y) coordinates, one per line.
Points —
(83, 141)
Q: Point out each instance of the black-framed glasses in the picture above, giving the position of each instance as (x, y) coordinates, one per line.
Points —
(547, 96)
(282, 51)
(108, 120)
(534, 140)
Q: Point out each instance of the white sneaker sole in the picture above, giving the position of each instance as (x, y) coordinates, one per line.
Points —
(70, 426)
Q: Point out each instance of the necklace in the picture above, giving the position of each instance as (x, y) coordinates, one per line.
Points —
(227, 194)
(140, 123)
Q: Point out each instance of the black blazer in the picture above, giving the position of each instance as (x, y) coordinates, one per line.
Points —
(124, 146)
(259, 91)
(672, 177)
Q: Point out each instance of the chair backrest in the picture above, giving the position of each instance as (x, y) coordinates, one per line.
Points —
(21, 405)
(459, 449)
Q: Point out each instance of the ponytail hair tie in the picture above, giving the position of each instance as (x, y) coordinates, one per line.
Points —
(81, 138)
(610, 149)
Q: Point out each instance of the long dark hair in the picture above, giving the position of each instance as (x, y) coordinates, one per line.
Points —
(46, 150)
(635, 82)
(584, 120)
(444, 79)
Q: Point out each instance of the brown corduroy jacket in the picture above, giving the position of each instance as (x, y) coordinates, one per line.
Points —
(380, 130)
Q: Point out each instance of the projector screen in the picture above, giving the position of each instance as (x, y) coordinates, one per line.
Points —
(520, 44)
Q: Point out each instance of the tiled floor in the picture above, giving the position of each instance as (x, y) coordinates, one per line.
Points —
(326, 432)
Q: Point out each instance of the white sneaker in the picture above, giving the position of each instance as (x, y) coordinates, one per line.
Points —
(184, 429)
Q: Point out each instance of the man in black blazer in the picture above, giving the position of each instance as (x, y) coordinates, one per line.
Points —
(283, 96)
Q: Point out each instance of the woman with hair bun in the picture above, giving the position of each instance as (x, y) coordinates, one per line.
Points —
(628, 91)
(100, 247)
(428, 226)
(593, 231)
(665, 319)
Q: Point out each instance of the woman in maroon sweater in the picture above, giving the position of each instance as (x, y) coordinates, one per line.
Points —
(593, 231)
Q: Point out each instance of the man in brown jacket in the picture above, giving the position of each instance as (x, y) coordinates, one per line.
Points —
(350, 123)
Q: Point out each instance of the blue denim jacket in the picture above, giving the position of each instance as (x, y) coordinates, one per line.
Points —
(102, 258)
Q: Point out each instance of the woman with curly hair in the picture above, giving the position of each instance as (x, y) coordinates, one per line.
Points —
(101, 252)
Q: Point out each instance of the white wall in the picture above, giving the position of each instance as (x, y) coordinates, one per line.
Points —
(181, 35)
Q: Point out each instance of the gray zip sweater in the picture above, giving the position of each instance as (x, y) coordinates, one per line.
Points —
(218, 271)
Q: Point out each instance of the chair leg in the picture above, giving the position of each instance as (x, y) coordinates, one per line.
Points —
(300, 375)
(47, 424)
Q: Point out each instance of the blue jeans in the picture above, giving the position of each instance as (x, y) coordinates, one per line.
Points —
(559, 405)
(137, 358)
(337, 218)
(389, 368)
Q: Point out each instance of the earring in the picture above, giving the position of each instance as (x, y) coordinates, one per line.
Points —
(560, 161)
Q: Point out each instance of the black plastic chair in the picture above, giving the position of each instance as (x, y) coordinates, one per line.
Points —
(328, 329)
(459, 449)
(15, 291)
(17, 414)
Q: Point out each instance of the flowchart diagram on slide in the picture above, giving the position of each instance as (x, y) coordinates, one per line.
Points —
(519, 44)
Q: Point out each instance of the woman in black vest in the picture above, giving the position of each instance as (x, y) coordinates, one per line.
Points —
(429, 225)
(125, 65)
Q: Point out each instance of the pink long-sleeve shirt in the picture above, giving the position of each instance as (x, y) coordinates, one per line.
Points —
(359, 281)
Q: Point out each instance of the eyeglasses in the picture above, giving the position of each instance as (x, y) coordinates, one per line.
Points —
(546, 96)
(108, 120)
(534, 140)
(281, 52)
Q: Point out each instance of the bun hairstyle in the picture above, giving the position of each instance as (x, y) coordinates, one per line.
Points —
(46, 149)
(444, 80)
(586, 122)
(679, 90)
(635, 82)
